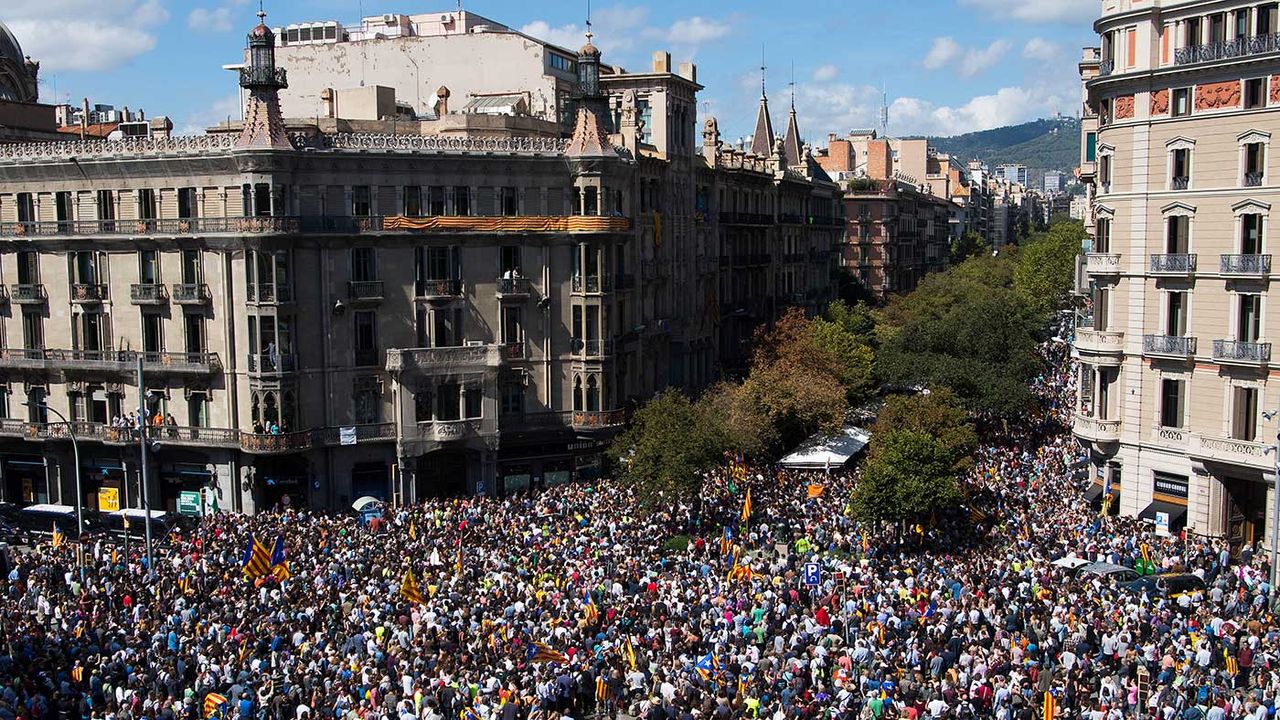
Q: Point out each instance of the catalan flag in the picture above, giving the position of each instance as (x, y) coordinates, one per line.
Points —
(413, 531)
(409, 588)
(57, 538)
(602, 689)
(214, 705)
(184, 584)
(256, 562)
(708, 666)
(746, 507)
(279, 565)
(77, 673)
(542, 653)
(468, 713)
(1232, 665)
(589, 609)
(631, 653)
(1050, 706)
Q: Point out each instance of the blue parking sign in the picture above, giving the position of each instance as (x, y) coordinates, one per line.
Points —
(812, 574)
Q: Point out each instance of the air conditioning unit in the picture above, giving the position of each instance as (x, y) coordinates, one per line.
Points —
(389, 18)
(446, 18)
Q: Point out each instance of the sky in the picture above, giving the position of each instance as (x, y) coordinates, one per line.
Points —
(949, 66)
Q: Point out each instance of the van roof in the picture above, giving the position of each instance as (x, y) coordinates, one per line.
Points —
(140, 513)
(50, 508)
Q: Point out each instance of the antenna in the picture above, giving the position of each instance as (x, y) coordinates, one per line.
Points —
(589, 21)
(884, 110)
(763, 67)
(792, 84)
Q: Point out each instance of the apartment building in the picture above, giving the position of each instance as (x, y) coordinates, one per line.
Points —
(1176, 364)
(322, 314)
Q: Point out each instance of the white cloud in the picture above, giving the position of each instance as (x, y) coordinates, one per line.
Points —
(1038, 48)
(88, 34)
(220, 111)
(218, 19)
(967, 62)
(826, 73)
(1006, 106)
(1039, 11)
(944, 50)
(694, 31)
(614, 28)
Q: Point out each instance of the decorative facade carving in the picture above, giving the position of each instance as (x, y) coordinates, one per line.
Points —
(1215, 96)
(1124, 107)
(1160, 102)
(1275, 88)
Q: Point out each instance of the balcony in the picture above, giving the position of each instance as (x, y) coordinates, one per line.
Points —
(1174, 264)
(1102, 263)
(264, 444)
(1245, 266)
(197, 363)
(439, 290)
(515, 351)
(271, 363)
(1253, 179)
(88, 293)
(1234, 352)
(1096, 430)
(1227, 49)
(598, 420)
(366, 433)
(445, 360)
(28, 294)
(1230, 450)
(451, 430)
(1169, 346)
(190, 293)
(148, 294)
(523, 224)
(364, 291)
(167, 227)
(1180, 182)
(592, 284)
(1101, 342)
(113, 361)
(514, 289)
(736, 218)
(269, 294)
(592, 348)
(1105, 68)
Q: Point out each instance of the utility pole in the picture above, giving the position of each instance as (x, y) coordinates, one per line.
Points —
(1275, 506)
(144, 420)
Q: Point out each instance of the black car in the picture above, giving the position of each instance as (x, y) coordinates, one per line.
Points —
(1169, 585)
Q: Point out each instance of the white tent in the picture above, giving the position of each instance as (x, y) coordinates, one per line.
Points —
(820, 452)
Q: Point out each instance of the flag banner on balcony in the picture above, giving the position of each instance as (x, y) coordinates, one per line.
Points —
(347, 436)
(575, 223)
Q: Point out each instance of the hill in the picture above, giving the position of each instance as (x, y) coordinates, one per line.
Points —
(1040, 145)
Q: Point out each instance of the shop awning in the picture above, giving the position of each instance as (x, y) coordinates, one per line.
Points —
(1094, 495)
(1177, 514)
(820, 452)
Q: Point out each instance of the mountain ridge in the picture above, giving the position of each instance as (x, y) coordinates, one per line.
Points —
(1045, 144)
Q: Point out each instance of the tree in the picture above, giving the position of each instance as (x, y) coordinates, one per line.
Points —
(938, 414)
(969, 244)
(746, 423)
(1045, 270)
(846, 335)
(908, 475)
(669, 444)
(968, 330)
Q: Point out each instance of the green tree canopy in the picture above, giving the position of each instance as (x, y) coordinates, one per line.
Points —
(969, 244)
(938, 414)
(847, 334)
(908, 475)
(671, 441)
(1046, 265)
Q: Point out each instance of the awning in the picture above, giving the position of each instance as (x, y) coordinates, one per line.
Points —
(1177, 514)
(1094, 495)
(820, 452)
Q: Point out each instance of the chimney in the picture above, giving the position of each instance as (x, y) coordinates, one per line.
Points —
(689, 71)
(662, 62)
(326, 97)
(84, 120)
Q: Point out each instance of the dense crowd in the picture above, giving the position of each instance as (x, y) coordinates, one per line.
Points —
(672, 613)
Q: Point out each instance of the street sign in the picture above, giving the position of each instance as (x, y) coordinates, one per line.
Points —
(108, 499)
(812, 574)
(189, 502)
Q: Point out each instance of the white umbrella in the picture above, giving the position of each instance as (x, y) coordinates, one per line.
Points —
(363, 502)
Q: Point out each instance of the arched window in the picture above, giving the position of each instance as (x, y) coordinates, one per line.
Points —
(577, 392)
(593, 394)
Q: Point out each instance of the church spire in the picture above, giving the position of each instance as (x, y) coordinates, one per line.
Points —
(762, 139)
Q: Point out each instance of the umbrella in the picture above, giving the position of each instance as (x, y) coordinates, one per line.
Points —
(361, 504)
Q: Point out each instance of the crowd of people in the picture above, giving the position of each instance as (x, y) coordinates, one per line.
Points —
(580, 602)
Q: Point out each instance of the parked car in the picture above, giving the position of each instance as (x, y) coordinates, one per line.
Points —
(1169, 585)
(1107, 571)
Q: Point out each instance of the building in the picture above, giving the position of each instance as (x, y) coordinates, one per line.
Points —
(326, 308)
(22, 115)
(1053, 182)
(1012, 174)
(1176, 367)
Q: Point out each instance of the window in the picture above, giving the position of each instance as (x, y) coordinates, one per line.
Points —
(87, 332)
(448, 396)
(447, 328)
(435, 204)
(257, 199)
(1090, 155)
(187, 204)
(512, 324)
(1104, 172)
(147, 205)
(32, 331)
(1181, 102)
(1255, 164)
(1172, 402)
(28, 267)
(462, 201)
(26, 207)
(364, 264)
(1180, 172)
(1254, 93)
(438, 263)
(191, 270)
(65, 210)
(148, 267)
(422, 406)
(1242, 23)
(1249, 321)
(4, 401)
(152, 333)
(513, 398)
(1176, 317)
(509, 260)
(1244, 413)
(1217, 27)
(193, 332)
(1178, 236)
(1102, 238)
(198, 409)
(365, 399)
(562, 63)
(473, 401)
(1265, 19)
(1194, 35)
(413, 201)
(361, 201)
(85, 267)
(37, 412)
(509, 200)
(365, 335)
(1251, 234)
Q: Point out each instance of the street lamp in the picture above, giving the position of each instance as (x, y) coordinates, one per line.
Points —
(75, 452)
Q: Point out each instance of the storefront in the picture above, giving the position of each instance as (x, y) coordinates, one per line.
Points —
(371, 479)
(26, 479)
(97, 473)
(1168, 508)
(179, 477)
(281, 482)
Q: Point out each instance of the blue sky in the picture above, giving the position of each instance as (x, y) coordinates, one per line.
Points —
(950, 66)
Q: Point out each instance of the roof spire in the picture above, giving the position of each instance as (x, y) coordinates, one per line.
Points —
(792, 85)
(763, 67)
(589, 35)
(262, 14)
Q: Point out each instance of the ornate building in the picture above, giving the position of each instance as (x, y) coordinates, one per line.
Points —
(18, 73)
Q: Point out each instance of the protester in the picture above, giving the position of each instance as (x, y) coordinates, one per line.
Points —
(577, 602)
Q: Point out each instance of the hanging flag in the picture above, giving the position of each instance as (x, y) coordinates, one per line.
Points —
(214, 705)
(57, 538)
(542, 653)
(1232, 665)
(1050, 706)
(279, 565)
(589, 609)
(816, 490)
(631, 653)
(409, 588)
(746, 507)
(256, 562)
(115, 556)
